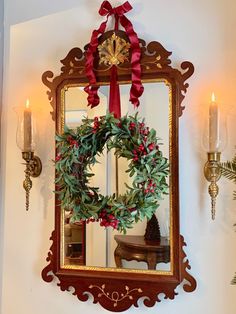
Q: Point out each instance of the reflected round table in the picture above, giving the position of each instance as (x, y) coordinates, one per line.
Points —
(133, 247)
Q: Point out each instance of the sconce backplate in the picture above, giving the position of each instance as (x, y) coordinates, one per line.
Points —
(37, 167)
(34, 163)
(212, 170)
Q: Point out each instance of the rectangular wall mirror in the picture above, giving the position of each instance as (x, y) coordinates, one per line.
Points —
(118, 269)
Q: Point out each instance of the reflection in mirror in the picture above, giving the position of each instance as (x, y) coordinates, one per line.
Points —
(92, 245)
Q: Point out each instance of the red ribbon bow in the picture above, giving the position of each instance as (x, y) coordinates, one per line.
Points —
(136, 87)
(106, 9)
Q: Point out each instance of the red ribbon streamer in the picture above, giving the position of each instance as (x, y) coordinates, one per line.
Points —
(114, 97)
(136, 87)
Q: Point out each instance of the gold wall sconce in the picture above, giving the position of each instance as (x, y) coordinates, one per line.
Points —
(214, 141)
(25, 139)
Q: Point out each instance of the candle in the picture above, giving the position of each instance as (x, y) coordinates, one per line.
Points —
(213, 125)
(27, 127)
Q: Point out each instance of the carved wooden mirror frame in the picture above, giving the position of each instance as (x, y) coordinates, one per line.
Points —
(114, 289)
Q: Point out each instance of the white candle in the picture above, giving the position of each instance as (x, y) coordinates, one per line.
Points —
(27, 127)
(213, 125)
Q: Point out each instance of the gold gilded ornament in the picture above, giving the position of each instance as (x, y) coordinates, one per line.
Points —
(113, 51)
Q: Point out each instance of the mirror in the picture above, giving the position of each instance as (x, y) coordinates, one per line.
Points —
(91, 244)
(119, 269)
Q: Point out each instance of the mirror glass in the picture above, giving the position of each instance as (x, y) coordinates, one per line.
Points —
(93, 245)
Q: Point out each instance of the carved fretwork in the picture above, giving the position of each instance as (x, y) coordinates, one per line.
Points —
(154, 56)
(46, 272)
(191, 284)
(74, 62)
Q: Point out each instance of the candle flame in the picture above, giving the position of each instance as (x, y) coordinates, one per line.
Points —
(213, 97)
(27, 104)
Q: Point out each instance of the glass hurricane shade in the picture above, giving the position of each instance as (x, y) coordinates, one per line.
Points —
(26, 129)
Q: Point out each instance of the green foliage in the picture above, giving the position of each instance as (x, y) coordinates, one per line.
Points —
(228, 170)
(131, 139)
(233, 282)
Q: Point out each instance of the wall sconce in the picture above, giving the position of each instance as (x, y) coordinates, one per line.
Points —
(214, 141)
(25, 139)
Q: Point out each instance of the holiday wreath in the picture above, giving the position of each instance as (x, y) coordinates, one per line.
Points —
(131, 139)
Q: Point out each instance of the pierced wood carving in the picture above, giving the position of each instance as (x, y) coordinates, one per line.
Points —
(46, 272)
(191, 284)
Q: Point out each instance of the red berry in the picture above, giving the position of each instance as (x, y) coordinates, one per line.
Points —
(151, 146)
(131, 125)
(141, 147)
(58, 157)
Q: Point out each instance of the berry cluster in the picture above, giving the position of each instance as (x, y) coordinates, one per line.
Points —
(140, 151)
(150, 188)
(143, 151)
(72, 141)
(108, 220)
(143, 129)
(132, 126)
(95, 125)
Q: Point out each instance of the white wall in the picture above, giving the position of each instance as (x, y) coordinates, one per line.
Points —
(1, 45)
(1, 78)
(200, 31)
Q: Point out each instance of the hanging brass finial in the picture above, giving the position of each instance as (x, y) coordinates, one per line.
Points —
(33, 169)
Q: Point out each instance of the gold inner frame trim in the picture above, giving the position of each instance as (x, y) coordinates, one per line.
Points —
(60, 124)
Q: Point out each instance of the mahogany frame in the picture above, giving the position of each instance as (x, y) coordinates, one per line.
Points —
(117, 290)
